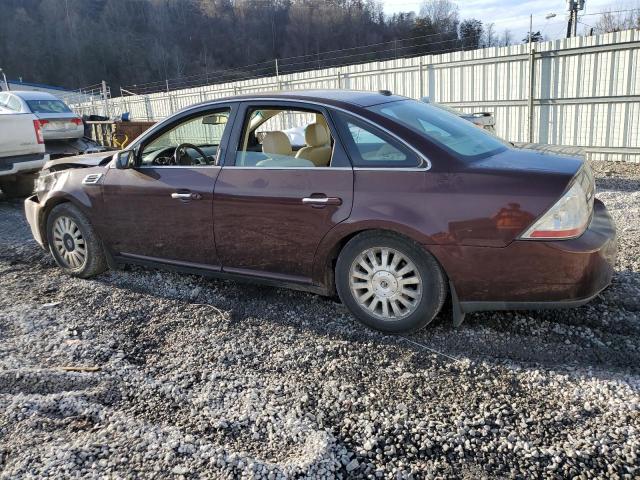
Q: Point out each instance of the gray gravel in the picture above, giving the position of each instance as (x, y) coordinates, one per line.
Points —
(202, 378)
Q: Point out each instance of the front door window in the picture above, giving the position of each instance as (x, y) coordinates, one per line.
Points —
(193, 142)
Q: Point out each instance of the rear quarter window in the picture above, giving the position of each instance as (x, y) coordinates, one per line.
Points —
(13, 103)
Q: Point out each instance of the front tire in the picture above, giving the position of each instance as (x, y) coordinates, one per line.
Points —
(389, 283)
(73, 242)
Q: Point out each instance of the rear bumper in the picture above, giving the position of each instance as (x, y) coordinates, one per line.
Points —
(534, 274)
(32, 210)
(22, 164)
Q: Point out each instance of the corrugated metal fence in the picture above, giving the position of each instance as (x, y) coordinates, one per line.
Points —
(583, 91)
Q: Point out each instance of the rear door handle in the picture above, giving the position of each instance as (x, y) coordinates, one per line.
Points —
(321, 201)
(186, 196)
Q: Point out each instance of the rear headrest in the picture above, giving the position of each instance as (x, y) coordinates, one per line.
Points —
(316, 135)
(276, 143)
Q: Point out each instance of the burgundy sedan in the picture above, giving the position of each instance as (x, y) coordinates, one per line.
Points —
(391, 203)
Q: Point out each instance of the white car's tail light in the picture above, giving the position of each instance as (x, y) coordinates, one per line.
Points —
(569, 217)
(38, 129)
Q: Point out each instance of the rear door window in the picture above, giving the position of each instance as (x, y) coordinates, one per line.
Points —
(369, 147)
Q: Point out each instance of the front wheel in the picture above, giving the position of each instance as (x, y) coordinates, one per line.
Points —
(73, 242)
(389, 283)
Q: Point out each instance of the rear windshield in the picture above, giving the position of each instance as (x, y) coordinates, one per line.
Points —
(449, 131)
(48, 106)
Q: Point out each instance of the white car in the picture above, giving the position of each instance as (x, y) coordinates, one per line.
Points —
(22, 153)
(57, 121)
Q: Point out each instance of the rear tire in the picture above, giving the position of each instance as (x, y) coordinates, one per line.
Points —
(22, 186)
(389, 283)
(73, 242)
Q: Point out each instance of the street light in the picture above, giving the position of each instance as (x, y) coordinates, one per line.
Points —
(6, 84)
(549, 16)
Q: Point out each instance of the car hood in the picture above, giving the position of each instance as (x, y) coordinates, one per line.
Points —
(80, 161)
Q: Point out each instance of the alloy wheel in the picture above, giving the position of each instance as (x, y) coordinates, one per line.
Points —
(69, 242)
(385, 283)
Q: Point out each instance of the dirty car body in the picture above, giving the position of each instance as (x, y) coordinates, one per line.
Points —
(502, 228)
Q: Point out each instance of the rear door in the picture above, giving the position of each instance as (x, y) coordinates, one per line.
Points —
(273, 206)
(162, 210)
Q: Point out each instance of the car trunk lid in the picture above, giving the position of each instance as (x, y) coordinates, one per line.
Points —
(527, 161)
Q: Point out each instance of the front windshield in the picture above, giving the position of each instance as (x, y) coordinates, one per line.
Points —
(449, 131)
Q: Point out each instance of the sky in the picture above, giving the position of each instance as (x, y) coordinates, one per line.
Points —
(514, 14)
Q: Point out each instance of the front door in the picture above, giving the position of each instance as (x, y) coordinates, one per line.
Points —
(162, 210)
(285, 183)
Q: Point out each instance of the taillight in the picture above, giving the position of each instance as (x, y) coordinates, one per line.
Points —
(36, 126)
(569, 217)
(77, 121)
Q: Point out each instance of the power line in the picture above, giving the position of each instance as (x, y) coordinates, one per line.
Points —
(222, 76)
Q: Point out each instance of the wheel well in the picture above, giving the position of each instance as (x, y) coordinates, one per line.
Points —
(337, 248)
(42, 224)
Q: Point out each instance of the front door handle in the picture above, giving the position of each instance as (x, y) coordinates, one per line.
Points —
(321, 201)
(186, 196)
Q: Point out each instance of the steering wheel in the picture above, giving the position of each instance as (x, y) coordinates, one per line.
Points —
(181, 152)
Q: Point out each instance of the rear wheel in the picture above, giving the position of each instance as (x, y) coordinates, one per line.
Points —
(73, 242)
(389, 283)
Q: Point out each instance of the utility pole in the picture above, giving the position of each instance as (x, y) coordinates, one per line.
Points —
(572, 24)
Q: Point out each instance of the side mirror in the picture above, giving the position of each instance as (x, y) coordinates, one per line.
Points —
(125, 159)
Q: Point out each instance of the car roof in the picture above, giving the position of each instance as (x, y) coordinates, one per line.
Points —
(329, 97)
(31, 95)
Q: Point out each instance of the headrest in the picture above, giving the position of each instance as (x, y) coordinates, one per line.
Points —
(276, 143)
(316, 135)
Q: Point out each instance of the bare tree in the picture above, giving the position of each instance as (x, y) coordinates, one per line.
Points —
(611, 21)
(507, 38)
(490, 39)
(75, 43)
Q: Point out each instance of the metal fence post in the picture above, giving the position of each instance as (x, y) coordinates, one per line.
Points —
(278, 76)
(170, 103)
(532, 76)
(105, 98)
(147, 108)
(421, 79)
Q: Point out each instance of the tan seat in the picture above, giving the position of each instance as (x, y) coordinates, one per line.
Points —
(318, 149)
(277, 147)
(276, 143)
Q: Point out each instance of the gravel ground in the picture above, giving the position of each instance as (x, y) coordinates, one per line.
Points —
(202, 378)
